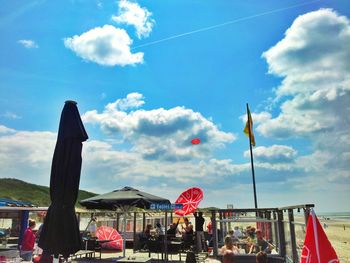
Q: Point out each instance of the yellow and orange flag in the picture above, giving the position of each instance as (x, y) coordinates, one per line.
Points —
(249, 124)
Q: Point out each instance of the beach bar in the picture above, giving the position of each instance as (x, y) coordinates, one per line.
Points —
(283, 227)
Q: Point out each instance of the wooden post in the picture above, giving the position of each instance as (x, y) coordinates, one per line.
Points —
(166, 239)
(221, 226)
(306, 215)
(143, 221)
(292, 235)
(282, 239)
(134, 238)
(215, 234)
(118, 217)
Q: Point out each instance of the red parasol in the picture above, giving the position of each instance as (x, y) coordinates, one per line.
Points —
(196, 141)
(190, 200)
(109, 233)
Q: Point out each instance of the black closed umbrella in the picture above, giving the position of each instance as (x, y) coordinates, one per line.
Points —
(60, 233)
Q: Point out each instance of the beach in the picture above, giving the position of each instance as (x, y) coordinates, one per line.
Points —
(339, 237)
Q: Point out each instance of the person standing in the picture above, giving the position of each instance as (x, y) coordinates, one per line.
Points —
(93, 227)
(199, 220)
(28, 242)
(210, 232)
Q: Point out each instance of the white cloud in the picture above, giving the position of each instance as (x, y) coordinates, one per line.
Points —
(11, 115)
(273, 154)
(131, 13)
(26, 155)
(4, 129)
(314, 60)
(257, 117)
(107, 45)
(27, 43)
(105, 168)
(159, 133)
(132, 100)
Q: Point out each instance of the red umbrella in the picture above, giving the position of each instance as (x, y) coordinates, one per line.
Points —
(109, 233)
(190, 200)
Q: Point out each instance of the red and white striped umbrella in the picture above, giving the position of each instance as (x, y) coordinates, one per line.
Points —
(190, 200)
(109, 233)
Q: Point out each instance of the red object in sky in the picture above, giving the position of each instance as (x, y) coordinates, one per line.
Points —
(196, 141)
(317, 248)
(109, 233)
(190, 200)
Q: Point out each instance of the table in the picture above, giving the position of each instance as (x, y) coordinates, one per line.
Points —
(133, 259)
(94, 244)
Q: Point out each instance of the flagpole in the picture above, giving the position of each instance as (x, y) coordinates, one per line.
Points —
(251, 156)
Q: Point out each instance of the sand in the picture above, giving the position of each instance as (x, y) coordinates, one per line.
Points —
(339, 237)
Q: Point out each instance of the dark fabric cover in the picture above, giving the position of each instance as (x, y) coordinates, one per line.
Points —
(60, 233)
(127, 196)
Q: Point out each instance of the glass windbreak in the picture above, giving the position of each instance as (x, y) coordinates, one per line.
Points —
(248, 232)
(300, 230)
(288, 241)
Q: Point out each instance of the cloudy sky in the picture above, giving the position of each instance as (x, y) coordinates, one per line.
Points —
(149, 76)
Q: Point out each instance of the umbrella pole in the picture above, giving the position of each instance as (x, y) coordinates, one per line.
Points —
(124, 234)
(125, 210)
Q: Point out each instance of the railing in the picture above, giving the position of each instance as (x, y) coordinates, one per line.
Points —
(284, 230)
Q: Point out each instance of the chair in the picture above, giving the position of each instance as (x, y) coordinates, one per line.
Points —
(174, 248)
(188, 242)
(155, 246)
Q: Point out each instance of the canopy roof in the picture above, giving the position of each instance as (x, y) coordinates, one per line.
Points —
(14, 203)
(126, 196)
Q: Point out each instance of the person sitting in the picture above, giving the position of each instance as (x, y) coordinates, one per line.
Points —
(187, 233)
(28, 242)
(237, 232)
(147, 232)
(231, 234)
(262, 244)
(144, 236)
(247, 231)
(159, 230)
(229, 246)
(252, 233)
(261, 257)
(172, 231)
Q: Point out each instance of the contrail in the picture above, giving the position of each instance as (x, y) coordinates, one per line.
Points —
(224, 24)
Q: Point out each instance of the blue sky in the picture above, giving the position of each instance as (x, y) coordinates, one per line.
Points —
(149, 76)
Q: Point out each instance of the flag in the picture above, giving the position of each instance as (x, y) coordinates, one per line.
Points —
(317, 248)
(246, 128)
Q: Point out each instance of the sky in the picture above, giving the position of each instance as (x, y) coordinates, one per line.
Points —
(150, 76)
